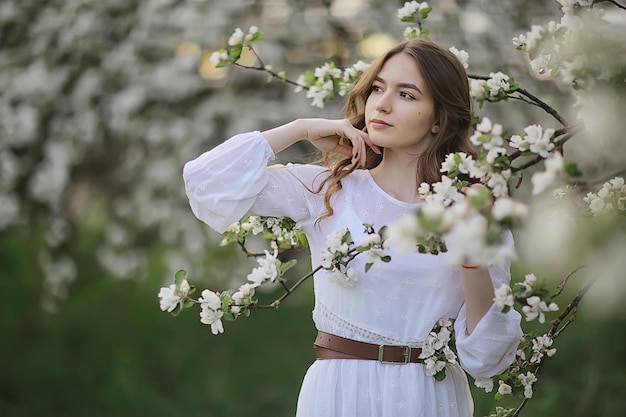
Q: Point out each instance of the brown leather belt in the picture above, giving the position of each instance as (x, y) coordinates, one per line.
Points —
(329, 346)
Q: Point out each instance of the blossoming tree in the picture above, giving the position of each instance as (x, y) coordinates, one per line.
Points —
(582, 52)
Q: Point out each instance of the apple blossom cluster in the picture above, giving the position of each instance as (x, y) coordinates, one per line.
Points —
(536, 140)
(436, 351)
(569, 6)
(341, 250)
(173, 297)
(228, 304)
(610, 199)
(237, 41)
(322, 83)
(554, 166)
(535, 300)
(461, 55)
(413, 11)
(466, 226)
(580, 50)
(491, 166)
(282, 232)
(496, 87)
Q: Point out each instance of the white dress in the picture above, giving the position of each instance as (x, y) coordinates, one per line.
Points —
(393, 303)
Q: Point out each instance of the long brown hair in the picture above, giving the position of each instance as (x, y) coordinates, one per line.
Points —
(447, 81)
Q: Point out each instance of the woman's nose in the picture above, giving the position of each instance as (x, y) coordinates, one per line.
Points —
(383, 104)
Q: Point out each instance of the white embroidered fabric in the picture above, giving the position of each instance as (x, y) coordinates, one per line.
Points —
(393, 303)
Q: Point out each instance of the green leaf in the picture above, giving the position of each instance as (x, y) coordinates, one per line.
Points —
(180, 276)
(188, 303)
(234, 52)
(285, 266)
(571, 169)
(223, 63)
(441, 375)
(385, 258)
(368, 266)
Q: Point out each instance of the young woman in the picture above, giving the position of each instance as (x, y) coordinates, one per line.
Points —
(404, 115)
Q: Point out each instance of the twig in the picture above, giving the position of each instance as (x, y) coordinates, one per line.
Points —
(616, 4)
(604, 179)
(245, 250)
(559, 143)
(262, 67)
(561, 286)
(534, 100)
(288, 292)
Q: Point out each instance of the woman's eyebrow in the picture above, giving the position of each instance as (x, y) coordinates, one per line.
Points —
(402, 85)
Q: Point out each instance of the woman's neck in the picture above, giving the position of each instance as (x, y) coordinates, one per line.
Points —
(397, 176)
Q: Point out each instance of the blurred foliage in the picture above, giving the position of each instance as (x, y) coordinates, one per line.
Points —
(110, 351)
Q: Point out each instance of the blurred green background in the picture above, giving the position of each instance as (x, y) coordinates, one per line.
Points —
(110, 351)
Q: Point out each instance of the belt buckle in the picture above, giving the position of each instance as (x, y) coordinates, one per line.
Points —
(407, 355)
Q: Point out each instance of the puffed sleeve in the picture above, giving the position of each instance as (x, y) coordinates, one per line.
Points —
(491, 346)
(233, 179)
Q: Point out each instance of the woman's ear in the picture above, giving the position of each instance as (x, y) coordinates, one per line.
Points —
(435, 129)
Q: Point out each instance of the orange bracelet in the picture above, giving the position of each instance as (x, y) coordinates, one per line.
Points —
(470, 266)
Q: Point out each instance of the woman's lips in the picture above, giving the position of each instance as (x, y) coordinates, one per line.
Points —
(379, 124)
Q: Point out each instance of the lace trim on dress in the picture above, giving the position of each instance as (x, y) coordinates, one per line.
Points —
(340, 327)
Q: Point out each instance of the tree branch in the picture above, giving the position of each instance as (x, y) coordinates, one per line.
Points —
(540, 103)
(555, 330)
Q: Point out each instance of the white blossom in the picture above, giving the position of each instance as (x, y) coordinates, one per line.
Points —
(217, 57)
(484, 383)
(527, 381)
(236, 38)
(477, 89)
(504, 388)
(213, 318)
(542, 345)
(445, 191)
(529, 283)
(412, 32)
(611, 197)
(503, 296)
(170, 297)
(543, 179)
(506, 207)
(268, 269)
(536, 308)
(462, 55)
(402, 233)
(411, 9)
(343, 276)
(370, 239)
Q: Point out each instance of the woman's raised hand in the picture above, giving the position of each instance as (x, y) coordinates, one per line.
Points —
(338, 136)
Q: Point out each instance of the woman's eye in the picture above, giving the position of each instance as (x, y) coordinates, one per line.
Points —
(404, 94)
(376, 88)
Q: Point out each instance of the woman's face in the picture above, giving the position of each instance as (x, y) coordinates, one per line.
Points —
(400, 111)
